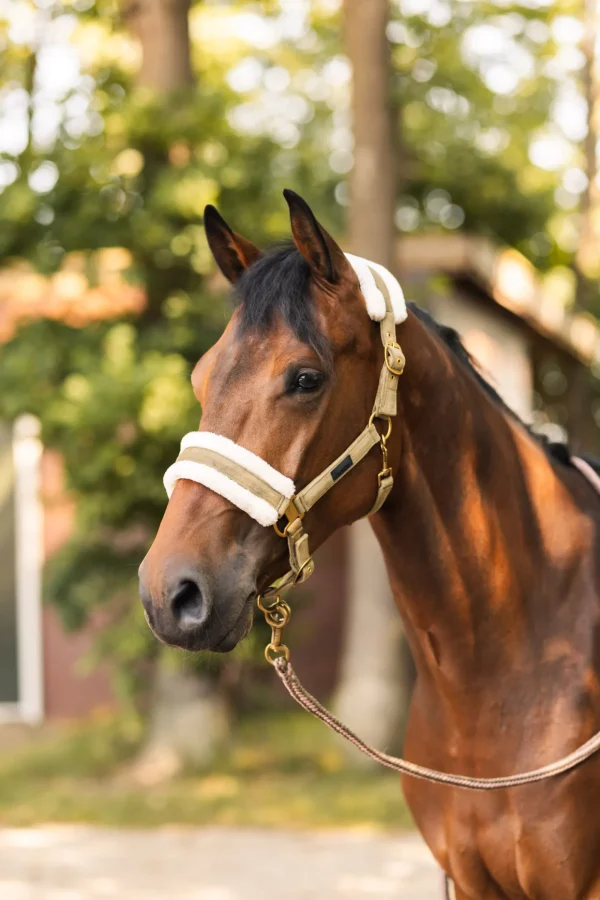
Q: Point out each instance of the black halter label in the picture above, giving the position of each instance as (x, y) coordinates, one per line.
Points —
(341, 468)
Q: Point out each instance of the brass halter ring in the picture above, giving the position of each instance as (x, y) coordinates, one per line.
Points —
(384, 437)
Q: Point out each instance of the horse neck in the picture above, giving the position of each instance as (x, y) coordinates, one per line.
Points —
(480, 534)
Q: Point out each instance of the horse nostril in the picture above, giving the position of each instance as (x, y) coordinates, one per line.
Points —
(187, 605)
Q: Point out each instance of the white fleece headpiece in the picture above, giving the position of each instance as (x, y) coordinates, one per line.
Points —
(256, 507)
(374, 299)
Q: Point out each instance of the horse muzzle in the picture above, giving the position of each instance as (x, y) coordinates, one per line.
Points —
(185, 609)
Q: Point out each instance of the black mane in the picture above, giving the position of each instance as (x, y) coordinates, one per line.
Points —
(453, 341)
(280, 283)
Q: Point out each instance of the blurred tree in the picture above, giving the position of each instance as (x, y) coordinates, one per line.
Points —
(473, 89)
(188, 716)
(127, 156)
(162, 28)
(370, 696)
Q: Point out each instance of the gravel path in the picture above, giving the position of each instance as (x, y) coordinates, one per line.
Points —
(85, 863)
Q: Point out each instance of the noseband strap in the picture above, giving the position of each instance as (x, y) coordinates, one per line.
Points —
(258, 489)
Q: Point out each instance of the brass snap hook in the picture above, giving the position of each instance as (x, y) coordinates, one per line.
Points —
(277, 616)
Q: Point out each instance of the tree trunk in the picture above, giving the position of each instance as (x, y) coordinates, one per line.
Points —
(371, 694)
(188, 721)
(161, 27)
(372, 180)
(188, 716)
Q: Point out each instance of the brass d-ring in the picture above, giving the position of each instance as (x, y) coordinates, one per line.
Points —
(279, 532)
(385, 436)
(291, 514)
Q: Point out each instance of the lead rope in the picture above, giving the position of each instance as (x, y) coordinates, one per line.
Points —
(278, 655)
(277, 615)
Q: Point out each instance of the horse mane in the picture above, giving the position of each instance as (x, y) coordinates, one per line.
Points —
(279, 284)
(453, 341)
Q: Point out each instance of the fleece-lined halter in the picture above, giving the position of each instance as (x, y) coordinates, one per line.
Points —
(267, 495)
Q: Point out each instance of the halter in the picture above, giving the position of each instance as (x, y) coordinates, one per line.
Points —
(269, 497)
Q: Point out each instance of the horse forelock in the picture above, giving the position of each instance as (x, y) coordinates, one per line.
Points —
(279, 284)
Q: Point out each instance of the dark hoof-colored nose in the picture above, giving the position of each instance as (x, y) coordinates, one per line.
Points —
(188, 606)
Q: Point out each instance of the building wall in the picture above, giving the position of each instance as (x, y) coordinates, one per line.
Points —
(499, 345)
(71, 687)
(9, 688)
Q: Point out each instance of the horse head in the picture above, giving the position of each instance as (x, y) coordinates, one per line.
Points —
(292, 380)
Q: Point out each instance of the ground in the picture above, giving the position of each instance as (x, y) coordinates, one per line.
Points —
(70, 862)
(277, 815)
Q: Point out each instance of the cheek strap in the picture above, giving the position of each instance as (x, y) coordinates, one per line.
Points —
(268, 496)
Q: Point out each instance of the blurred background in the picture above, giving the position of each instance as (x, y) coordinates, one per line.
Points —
(454, 141)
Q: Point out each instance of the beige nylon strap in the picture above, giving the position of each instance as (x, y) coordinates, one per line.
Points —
(319, 486)
(300, 559)
(237, 473)
(385, 486)
(386, 400)
(385, 407)
(301, 562)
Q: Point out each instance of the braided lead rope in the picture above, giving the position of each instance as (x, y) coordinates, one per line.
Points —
(312, 705)
(587, 472)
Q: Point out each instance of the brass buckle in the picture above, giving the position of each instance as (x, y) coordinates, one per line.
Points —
(292, 514)
(388, 365)
(305, 571)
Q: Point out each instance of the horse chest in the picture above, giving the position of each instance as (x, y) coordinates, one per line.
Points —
(536, 842)
(539, 842)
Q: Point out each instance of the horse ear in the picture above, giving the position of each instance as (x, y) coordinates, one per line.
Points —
(314, 243)
(232, 252)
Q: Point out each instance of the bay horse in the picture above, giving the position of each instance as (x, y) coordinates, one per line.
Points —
(491, 540)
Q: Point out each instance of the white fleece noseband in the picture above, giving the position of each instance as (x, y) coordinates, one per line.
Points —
(266, 493)
(259, 508)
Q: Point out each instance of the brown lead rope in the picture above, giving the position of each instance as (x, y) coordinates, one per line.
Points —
(312, 705)
(278, 615)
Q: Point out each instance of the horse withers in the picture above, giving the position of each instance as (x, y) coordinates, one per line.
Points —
(490, 537)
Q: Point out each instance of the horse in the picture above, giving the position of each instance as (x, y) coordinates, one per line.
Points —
(490, 536)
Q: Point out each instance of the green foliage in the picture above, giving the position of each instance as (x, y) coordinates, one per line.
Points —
(465, 140)
(131, 170)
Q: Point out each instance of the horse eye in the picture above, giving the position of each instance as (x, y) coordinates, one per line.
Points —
(306, 382)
